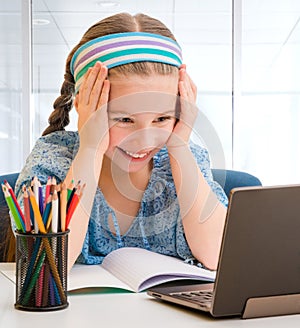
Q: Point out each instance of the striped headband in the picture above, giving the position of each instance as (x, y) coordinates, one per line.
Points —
(123, 48)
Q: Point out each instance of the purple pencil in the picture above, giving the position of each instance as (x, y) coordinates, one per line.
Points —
(41, 200)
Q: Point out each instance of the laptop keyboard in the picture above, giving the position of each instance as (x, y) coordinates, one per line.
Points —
(203, 297)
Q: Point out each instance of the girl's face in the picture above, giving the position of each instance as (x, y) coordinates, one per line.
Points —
(141, 114)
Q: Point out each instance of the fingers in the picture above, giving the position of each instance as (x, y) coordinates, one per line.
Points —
(188, 109)
(89, 79)
(93, 93)
(187, 87)
(103, 100)
(91, 88)
(97, 88)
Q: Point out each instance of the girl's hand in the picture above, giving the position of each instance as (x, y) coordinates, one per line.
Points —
(91, 105)
(188, 110)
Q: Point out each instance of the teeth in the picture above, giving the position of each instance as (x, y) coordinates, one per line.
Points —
(136, 155)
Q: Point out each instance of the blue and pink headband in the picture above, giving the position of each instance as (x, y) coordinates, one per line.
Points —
(123, 48)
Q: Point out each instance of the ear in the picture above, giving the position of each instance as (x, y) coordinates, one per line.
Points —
(76, 102)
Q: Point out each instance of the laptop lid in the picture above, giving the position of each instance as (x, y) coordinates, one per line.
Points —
(260, 253)
(259, 267)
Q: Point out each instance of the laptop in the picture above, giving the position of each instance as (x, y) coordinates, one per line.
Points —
(258, 271)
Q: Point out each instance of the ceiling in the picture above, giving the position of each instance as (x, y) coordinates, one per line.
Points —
(194, 22)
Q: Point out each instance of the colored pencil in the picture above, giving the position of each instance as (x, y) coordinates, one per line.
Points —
(70, 189)
(13, 209)
(42, 212)
(33, 280)
(39, 289)
(73, 204)
(47, 246)
(32, 265)
(47, 211)
(56, 293)
(21, 215)
(35, 189)
(72, 194)
(37, 215)
(53, 268)
(47, 191)
(26, 210)
(54, 223)
(41, 200)
(45, 299)
(63, 207)
(53, 185)
(48, 224)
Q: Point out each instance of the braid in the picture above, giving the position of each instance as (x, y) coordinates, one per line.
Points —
(59, 118)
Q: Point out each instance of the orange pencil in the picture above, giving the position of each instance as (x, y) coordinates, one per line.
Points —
(35, 190)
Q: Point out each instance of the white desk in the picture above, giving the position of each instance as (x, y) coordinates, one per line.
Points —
(120, 310)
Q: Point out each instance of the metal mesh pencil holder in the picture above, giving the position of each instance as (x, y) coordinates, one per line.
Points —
(41, 271)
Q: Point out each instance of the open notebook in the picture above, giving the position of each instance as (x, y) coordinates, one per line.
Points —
(259, 266)
(134, 269)
(129, 269)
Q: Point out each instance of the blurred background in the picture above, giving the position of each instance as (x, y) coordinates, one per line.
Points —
(242, 54)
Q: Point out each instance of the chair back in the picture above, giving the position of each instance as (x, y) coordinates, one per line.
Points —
(230, 179)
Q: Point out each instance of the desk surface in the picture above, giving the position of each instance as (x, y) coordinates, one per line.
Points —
(120, 310)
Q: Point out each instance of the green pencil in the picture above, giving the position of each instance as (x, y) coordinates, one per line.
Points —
(34, 278)
(12, 208)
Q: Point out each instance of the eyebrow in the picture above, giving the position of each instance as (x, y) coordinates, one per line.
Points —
(119, 113)
(169, 112)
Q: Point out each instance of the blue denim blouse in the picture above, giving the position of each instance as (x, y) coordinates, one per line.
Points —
(158, 224)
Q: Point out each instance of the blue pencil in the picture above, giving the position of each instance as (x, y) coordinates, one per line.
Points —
(47, 210)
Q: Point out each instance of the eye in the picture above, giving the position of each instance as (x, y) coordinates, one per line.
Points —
(163, 119)
(123, 120)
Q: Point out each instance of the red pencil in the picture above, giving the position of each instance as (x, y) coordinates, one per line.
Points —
(53, 185)
(26, 210)
(47, 192)
(73, 204)
(71, 209)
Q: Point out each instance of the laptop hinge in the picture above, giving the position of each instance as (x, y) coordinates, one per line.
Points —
(272, 305)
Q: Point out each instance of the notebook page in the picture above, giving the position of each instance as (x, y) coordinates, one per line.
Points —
(87, 276)
(141, 269)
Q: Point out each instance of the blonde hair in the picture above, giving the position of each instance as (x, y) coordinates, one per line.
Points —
(118, 23)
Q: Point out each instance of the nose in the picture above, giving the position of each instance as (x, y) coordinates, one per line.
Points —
(147, 138)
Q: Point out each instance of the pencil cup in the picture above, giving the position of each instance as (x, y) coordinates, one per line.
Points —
(41, 271)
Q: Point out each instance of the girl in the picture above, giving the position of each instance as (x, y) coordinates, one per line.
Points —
(146, 184)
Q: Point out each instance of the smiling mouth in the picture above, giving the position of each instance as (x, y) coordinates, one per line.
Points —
(136, 155)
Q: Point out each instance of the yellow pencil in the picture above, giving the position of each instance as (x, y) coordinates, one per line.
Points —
(36, 212)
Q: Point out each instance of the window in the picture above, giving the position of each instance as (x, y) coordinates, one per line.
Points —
(242, 54)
